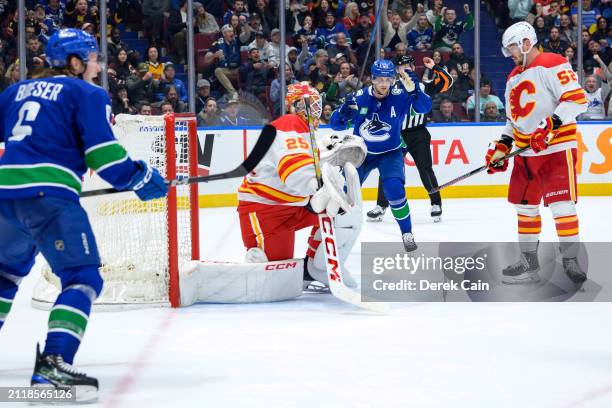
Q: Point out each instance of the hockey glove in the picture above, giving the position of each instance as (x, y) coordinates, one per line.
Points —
(546, 130)
(409, 80)
(147, 183)
(348, 108)
(330, 198)
(497, 150)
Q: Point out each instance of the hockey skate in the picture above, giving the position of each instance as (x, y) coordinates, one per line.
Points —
(574, 271)
(52, 371)
(525, 270)
(436, 212)
(376, 214)
(409, 244)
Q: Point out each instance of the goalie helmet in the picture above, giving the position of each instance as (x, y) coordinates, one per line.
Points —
(515, 34)
(295, 99)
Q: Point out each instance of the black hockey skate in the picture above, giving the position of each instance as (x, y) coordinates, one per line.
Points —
(523, 271)
(309, 283)
(52, 371)
(574, 271)
(436, 212)
(376, 214)
(409, 244)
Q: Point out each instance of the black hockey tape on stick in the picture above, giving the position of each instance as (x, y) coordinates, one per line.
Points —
(264, 142)
(476, 171)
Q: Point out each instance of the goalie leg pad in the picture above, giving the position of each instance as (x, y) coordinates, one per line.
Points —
(227, 282)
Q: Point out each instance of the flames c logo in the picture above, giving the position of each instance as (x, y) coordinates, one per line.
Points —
(516, 109)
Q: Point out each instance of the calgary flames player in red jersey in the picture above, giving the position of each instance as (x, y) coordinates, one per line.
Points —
(543, 99)
(281, 195)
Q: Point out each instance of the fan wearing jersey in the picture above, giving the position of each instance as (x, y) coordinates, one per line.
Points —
(55, 127)
(543, 99)
(377, 113)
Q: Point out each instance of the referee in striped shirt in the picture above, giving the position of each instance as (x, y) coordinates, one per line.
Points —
(417, 139)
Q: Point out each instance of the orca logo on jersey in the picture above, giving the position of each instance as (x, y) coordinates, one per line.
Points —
(375, 130)
(516, 109)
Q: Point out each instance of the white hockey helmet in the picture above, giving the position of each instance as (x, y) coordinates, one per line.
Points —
(515, 34)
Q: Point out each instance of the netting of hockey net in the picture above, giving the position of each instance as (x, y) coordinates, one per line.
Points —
(134, 237)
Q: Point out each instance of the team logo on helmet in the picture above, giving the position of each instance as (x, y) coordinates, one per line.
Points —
(375, 130)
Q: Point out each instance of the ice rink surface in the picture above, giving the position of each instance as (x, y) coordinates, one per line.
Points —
(318, 352)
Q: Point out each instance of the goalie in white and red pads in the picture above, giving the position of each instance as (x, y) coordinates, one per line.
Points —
(543, 99)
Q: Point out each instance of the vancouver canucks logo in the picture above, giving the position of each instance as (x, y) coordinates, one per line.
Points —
(374, 130)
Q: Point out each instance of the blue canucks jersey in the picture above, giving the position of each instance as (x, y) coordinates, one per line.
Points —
(54, 129)
(379, 121)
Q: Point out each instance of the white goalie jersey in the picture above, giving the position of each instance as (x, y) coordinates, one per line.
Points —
(547, 86)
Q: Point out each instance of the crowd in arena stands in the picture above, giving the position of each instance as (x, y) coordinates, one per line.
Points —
(238, 57)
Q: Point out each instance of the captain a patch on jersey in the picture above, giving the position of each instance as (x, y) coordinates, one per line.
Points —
(375, 130)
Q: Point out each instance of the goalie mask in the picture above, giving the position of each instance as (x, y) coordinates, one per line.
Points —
(295, 100)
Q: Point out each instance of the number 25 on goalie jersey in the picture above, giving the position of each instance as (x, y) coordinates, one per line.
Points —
(285, 174)
(537, 92)
(54, 129)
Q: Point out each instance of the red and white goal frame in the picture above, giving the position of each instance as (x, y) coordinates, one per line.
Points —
(143, 245)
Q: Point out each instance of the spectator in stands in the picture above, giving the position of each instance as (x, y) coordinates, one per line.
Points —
(4, 81)
(459, 60)
(435, 11)
(55, 12)
(168, 80)
(597, 92)
(78, 13)
(445, 113)
(420, 38)
(89, 29)
(166, 108)
(121, 102)
(568, 33)
(155, 66)
(225, 54)
(491, 113)
(247, 33)
(177, 30)
(254, 74)
(601, 33)
(238, 24)
(321, 13)
(140, 85)
(113, 82)
(122, 66)
(44, 26)
(203, 93)
(34, 54)
(209, 115)
(394, 32)
(351, 16)
(297, 60)
(485, 97)
(154, 12)
(552, 19)
(326, 114)
(519, 9)
(594, 49)
(204, 21)
(265, 12)
(570, 55)
(344, 82)
(266, 53)
(341, 46)
(275, 38)
(448, 30)
(401, 49)
(327, 34)
(145, 109)
(360, 31)
(4, 53)
(172, 97)
(589, 14)
(238, 10)
(275, 89)
(115, 43)
(231, 115)
(554, 43)
(428, 74)
(318, 71)
(539, 25)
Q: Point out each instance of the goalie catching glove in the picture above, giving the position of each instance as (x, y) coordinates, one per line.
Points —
(330, 198)
(337, 150)
(498, 149)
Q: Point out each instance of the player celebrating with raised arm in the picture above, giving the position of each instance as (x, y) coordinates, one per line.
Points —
(543, 99)
(55, 127)
(377, 113)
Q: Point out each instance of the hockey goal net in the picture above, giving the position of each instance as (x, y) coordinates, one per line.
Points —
(142, 245)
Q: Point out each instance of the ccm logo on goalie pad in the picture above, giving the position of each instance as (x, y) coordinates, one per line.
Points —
(276, 267)
(330, 249)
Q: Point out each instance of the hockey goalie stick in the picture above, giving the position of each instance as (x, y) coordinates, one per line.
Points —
(476, 171)
(265, 140)
(335, 280)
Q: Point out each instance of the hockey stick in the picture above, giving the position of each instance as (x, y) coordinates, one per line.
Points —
(476, 171)
(328, 238)
(265, 140)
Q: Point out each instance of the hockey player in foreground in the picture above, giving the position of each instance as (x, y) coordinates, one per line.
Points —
(54, 128)
(377, 113)
(543, 99)
(281, 195)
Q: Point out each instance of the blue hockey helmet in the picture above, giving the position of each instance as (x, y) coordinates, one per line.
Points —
(69, 41)
(383, 68)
